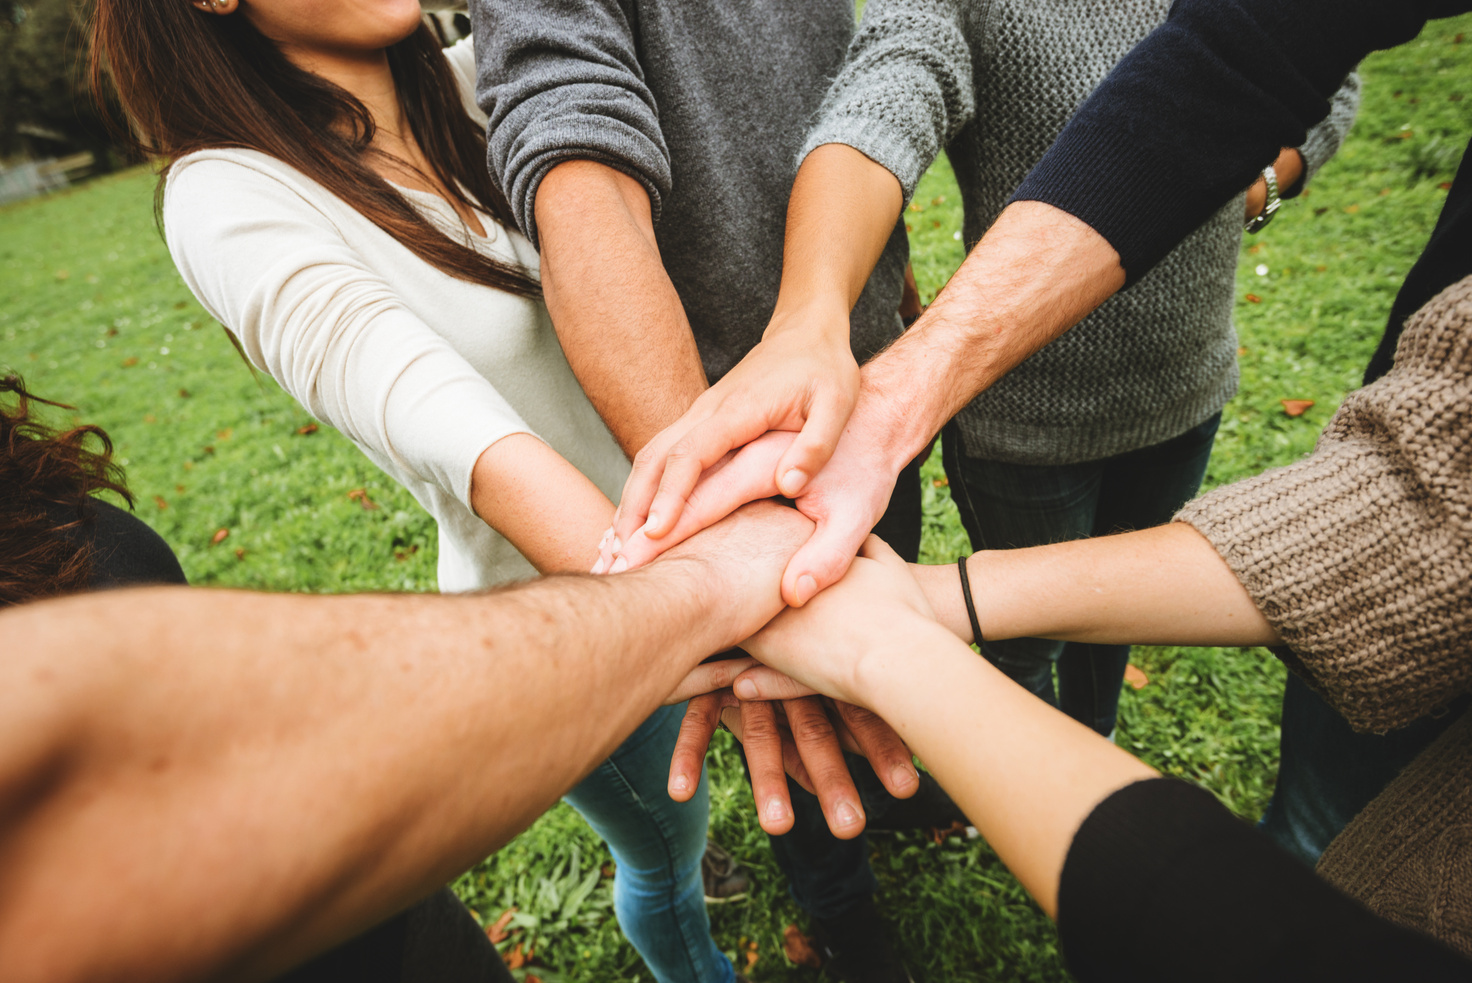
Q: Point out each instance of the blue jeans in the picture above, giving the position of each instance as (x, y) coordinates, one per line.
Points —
(1328, 772)
(1008, 506)
(658, 894)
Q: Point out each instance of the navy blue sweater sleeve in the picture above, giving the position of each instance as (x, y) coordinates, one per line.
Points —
(561, 80)
(1189, 118)
(1163, 884)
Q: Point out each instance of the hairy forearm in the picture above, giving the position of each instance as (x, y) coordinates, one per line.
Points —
(1164, 586)
(279, 772)
(841, 214)
(1036, 273)
(616, 313)
(1026, 775)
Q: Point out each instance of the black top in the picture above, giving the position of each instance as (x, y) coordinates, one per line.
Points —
(1163, 883)
(129, 553)
(1192, 115)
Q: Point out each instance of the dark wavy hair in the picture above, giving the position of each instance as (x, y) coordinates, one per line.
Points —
(190, 81)
(47, 479)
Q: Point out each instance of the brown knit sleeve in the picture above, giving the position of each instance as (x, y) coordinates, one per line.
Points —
(1360, 555)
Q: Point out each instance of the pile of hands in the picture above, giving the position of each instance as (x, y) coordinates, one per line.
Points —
(792, 420)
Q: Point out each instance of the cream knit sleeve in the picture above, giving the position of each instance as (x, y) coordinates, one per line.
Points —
(1360, 555)
(272, 267)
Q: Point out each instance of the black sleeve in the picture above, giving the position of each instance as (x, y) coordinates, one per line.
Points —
(1188, 119)
(128, 553)
(1162, 883)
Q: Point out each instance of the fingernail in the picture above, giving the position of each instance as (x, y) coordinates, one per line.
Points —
(680, 783)
(745, 689)
(793, 481)
(651, 523)
(606, 537)
(598, 567)
(807, 586)
(619, 565)
(903, 775)
(776, 811)
(615, 546)
(846, 813)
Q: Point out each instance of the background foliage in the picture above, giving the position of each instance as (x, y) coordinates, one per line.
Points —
(92, 311)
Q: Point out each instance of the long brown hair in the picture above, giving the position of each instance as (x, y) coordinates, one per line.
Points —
(191, 81)
(47, 479)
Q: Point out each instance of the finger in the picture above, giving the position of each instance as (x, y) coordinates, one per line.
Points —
(887, 752)
(648, 469)
(689, 458)
(814, 446)
(817, 743)
(759, 682)
(875, 548)
(709, 677)
(824, 558)
(730, 484)
(763, 744)
(791, 759)
(701, 717)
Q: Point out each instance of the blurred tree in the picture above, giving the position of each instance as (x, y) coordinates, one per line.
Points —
(45, 106)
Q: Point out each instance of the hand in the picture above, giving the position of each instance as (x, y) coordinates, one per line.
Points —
(804, 738)
(873, 612)
(801, 378)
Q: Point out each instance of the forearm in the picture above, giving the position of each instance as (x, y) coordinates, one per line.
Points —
(1026, 775)
(236, 758)
(1165, 586)
(1037, 272)
(841, 214)
(616, 313)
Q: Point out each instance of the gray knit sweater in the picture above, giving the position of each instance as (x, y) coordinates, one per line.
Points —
(706, 102)
(992, 82)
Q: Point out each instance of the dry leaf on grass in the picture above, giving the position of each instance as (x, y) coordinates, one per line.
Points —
(497, 931)
(1135, 676)
(219, 537)
(360, 495)
(308, 430)
(1296, 407)
(799, 948)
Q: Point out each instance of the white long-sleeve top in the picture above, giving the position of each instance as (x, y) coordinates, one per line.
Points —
(421, 370)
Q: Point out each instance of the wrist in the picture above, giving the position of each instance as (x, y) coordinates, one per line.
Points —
(822, 319)
(886, 671)
(941, 584)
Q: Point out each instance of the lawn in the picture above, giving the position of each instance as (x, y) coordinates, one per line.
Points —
(251, 494)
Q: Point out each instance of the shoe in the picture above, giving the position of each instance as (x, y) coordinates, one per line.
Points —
(725, 879)
(929, 808)
(855, 947)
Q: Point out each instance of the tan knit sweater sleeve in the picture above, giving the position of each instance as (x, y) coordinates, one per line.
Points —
(1360, 555)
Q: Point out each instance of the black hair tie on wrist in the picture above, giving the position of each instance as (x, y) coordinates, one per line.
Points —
(970, 604)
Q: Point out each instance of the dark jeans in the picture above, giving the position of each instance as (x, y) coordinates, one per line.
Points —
(826, 875)
(1328, 772)
(1008, 506)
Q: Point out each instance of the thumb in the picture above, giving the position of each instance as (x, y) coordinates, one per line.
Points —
(823, 559)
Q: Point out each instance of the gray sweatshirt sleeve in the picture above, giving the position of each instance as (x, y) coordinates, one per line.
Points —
(1325, 139)
(905, 89)
(560, 80)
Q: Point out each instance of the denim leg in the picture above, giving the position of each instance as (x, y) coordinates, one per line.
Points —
(827, 875)
(658, 844)
(1329, 772)
(1007, 506)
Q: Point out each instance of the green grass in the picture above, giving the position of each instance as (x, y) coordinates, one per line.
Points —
(92, 312)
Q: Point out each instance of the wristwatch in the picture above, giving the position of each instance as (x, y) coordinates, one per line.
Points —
(1271, 206)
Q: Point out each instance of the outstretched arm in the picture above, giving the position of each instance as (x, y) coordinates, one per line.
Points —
(242, 761)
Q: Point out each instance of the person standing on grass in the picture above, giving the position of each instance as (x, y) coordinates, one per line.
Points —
(1181, 125)
(1110, 426)
(647, 148)
(326, 200)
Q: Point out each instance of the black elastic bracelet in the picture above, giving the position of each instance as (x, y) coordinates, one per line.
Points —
(970, 604)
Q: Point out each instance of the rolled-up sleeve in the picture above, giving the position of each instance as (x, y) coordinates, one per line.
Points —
(560, 80)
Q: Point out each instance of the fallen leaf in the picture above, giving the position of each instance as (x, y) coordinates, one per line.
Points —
(179, 489)
(130, 361)
(1296, 407)
(941, 482)
(180, 305)
(1135, 676)
(184, 394)
(360, 495)
(209, 448)
(1242, 350)
(515, 959)
(219, 537)
(112, 332)
(909, 227)
(1351, 209)
(240, 554)
(529, 978)
(751, 957)
(159, 501)
(497, 931)
(936, 223)
(402, 555)
(1320, 211)
(225, 434)
(1445, 186)
(1384, 192)
(915, 206)
(188, 465)
(1255, 248)
(150, 418)
(798, 949)
(1458, 39)
(1253, 299)
(606, 870)
(938, 200)
(1322, 269)
(939, 836)
(310, 428)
